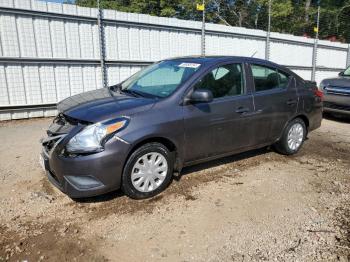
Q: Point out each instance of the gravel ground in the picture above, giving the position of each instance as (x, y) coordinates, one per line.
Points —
(250, 207)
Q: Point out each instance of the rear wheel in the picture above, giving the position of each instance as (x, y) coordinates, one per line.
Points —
(148, 171)
(292, 138)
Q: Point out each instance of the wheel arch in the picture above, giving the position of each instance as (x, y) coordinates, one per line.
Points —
(168, 143)
(305, 119)
(302, 117)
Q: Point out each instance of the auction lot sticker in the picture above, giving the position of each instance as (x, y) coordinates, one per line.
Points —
(190, 65)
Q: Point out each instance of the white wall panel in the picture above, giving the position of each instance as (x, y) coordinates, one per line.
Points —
(62, 82)
(70, 9)
(113, 75)
(89, 78)
(32, 36)
(15, 84)
(134, 43)
(8, 31)
(72, 39)
(145, 48)
(48, 83)
(26, 36)
(154, 45)
(291, 54)
(39, 5)
(58, 37)
(305, 74)
(35, 113)
(23, 4)
(54, 7)
(50, 112)
(85, 11)
(95, 41)
(173, 45)
(33, 84)
(1, 53)
(124, 72)
(43, 37)
(123, 43)
(5, 116)
(135, 69)
(76, 80)
(7, 3)
(98, 77)
(4, 97)
(320, 75)
(331, 58)
(86, 40)
(164, 44)
(111, 42)
(19, 114)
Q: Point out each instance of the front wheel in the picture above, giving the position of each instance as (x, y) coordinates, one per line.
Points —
(292, 138)
(148, 171)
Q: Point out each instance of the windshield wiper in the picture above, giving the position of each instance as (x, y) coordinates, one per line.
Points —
(132, 92)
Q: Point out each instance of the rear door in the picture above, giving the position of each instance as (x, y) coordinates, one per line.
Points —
(275, 100)
(220, 126)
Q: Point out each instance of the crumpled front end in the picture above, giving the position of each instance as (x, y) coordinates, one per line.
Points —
(81, 175)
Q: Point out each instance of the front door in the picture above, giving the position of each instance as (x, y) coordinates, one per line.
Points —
(220, 126)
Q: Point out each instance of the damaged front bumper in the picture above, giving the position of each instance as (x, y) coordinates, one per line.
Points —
(82, 175)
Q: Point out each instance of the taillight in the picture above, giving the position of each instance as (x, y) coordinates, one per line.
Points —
(319, 94)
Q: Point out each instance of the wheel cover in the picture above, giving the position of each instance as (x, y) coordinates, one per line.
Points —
(295, 136)
(149, 172)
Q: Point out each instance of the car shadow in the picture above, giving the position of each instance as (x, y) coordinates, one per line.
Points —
(185, 171)
(337, 117)
(222, 161)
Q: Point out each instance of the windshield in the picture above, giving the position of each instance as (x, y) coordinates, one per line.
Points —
(347, 71)
(159, 80)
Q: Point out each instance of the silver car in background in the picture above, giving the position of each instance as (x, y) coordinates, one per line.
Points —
(337, 93)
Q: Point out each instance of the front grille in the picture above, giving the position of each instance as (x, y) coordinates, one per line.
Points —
(50, 142)
(335, 106)
(337, 90)
(63, 119)
(49, 145)
(62, 124)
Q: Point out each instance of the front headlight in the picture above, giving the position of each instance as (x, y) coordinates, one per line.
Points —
(91, 138)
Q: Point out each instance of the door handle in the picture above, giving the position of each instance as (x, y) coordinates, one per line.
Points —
(242, 110)
(291, 102)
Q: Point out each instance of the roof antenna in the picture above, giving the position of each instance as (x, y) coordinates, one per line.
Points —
(254, 54)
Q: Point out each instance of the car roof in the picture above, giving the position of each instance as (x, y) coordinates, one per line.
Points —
(209, 60)
(215, 59)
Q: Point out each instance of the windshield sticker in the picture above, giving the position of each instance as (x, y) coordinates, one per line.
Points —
(190, 65)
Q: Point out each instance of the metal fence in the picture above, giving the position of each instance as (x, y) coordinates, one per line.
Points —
(50, 51)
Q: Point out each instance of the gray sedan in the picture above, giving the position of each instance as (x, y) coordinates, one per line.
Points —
(337, 93)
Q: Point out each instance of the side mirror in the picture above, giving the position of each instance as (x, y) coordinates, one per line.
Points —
(341, 73)
(201, 96)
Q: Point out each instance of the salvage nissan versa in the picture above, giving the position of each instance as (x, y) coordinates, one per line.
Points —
(172, 114)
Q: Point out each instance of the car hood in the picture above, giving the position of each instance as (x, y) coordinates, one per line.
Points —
(337, 81)
(99, 105)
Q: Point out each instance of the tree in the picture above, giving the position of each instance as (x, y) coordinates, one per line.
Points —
(288, 16)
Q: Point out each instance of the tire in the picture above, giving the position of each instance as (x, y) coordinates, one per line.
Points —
(287, 148)
(152, 162)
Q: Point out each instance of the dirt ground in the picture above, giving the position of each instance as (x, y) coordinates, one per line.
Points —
(254, 206)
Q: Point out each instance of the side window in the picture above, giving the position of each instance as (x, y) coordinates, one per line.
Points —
(266, 78)
(226, 80)
(284, 80)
